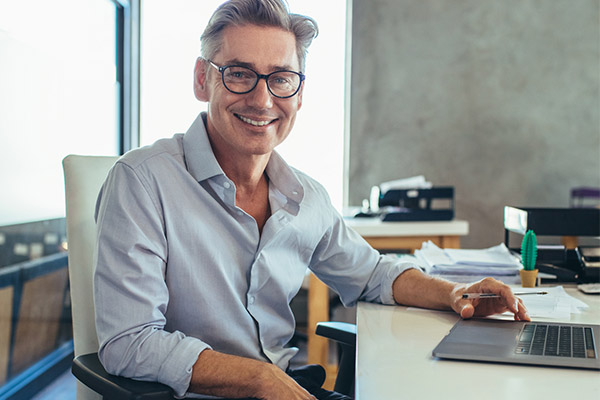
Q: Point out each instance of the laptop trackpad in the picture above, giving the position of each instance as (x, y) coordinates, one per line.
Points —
(478, 339)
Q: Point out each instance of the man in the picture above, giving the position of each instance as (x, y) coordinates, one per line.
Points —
(204, 238)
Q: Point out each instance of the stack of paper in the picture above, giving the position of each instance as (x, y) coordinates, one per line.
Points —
(414, 182)
(495, 261)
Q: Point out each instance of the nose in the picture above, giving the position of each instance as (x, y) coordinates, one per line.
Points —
(260, 97)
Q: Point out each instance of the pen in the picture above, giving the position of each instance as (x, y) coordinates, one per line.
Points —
(494, 295)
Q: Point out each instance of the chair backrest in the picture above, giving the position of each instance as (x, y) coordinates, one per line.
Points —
(84, 176)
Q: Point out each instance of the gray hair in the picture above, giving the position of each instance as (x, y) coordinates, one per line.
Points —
(272, 13)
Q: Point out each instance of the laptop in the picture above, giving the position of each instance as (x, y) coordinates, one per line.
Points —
(534, 343)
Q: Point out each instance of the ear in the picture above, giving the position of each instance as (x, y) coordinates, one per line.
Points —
(200, 80)
(299, 94)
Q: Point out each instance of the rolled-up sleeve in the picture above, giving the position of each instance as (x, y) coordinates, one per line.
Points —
(344, 261)
(130, 292)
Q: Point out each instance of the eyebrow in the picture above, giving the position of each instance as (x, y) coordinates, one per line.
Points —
(273, 68)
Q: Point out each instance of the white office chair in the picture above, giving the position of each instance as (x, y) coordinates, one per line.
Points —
(84, 176)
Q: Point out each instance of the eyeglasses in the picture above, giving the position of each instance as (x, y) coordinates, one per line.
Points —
(241, 80)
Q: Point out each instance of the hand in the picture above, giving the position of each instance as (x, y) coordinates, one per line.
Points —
(279, 385)
(482, 307)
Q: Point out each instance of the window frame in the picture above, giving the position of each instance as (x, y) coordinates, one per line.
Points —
(127, 61)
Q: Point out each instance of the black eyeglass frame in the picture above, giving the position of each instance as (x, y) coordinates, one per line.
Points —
(222, 69)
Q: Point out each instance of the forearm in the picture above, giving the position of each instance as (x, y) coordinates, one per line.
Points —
(414, 288)
(225, 375)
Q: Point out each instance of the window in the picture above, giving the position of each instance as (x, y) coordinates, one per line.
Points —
(170, 44)
(65, 84)
(57, 96)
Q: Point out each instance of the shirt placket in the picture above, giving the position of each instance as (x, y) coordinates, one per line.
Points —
(260, 271)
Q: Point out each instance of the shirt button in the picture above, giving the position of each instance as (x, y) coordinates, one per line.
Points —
(226, 185)
(251, 300)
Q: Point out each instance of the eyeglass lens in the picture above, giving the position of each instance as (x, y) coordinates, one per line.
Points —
(242, 80)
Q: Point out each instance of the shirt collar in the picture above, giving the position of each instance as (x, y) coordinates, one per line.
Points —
(202, 163)
(283, 177)
(199, 157)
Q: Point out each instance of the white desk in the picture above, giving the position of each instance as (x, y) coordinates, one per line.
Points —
(409, 235)
(394, 361)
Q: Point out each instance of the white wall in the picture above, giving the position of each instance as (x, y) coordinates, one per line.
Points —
(170, 45)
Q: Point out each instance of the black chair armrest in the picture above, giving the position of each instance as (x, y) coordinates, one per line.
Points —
(345, 334)
(341, 332)
(89, 371)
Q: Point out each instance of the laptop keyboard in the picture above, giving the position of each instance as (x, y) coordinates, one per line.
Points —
(554, 340)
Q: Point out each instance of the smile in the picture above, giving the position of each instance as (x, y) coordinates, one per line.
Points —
(253, 122)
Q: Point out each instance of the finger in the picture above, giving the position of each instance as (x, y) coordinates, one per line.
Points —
(507, 296)
(511, 301)
(523, 314)
(467, 311)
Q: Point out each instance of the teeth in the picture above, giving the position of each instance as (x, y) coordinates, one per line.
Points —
(252, 122)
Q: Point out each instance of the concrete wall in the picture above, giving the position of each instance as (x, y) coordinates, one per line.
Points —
(499, 98)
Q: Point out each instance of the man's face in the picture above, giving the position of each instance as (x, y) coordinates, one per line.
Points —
(253, 123)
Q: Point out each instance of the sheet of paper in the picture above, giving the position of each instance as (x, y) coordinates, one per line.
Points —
(557, 304)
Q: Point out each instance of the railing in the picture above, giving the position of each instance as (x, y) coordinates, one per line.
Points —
(35, 318)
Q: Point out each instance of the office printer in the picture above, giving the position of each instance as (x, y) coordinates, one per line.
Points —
(417, 204)
(581, 264)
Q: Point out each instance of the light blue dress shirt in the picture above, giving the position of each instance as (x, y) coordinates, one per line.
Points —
(181, 269)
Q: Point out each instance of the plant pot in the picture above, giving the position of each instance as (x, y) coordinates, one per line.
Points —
(528, 277)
